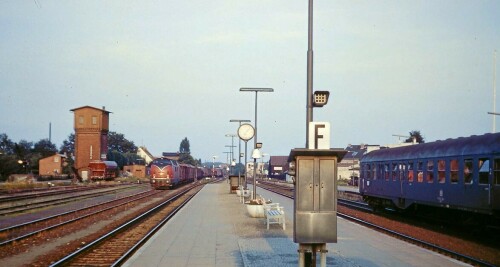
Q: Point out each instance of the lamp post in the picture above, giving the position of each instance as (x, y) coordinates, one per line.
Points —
(256, 90)
(213, 166)
(232, 150)
(262, 163)
(239, 154)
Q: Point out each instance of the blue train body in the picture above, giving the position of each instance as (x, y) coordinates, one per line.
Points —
(461, 174)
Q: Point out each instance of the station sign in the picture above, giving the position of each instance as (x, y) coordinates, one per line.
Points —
(319, 135)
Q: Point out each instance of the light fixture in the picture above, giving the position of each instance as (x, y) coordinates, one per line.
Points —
(256, 154)
(320, 98)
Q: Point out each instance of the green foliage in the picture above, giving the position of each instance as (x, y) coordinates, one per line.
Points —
(6, 145)
(122, 159)
(68, 146)
(188, 159)
(118, 142)
(45, 148)
(8, 166)
(417, 135)
(184, 147)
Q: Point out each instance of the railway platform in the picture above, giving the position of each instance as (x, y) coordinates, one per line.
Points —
(214, 229)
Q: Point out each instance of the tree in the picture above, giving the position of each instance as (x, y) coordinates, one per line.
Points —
(417, 135)
(185, 154)
(45, 147)
(118, 142)
(68, 145)
(6, 145)
(184, 147)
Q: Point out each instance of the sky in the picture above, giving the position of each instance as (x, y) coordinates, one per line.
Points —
(172, 69)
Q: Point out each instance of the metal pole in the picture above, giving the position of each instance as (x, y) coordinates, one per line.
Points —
(494, 89)
(245, 182)
(255, 146)
(309, 113)
(239, 155)
(256, 90)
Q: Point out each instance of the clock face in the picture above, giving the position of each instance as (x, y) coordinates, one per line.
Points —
(246, 132)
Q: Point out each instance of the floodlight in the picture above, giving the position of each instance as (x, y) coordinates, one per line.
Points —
(320, 98)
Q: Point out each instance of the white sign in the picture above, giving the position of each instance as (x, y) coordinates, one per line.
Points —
(319, 135)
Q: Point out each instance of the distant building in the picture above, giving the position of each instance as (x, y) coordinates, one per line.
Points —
(144, 153)
(91, 137)
(171, 155)
(278, 167)
(348, 168)
(138, 171)
(52, 165)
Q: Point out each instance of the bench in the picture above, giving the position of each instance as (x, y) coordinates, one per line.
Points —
(274, 214)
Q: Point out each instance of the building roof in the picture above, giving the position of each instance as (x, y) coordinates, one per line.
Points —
(103, 109)
(171, 155)
(278, 160)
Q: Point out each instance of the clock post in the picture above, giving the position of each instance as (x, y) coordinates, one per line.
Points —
(246, 132)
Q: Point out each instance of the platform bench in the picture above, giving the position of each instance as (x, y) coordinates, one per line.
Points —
(274, 214)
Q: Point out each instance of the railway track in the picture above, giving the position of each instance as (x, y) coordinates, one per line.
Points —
(22, 231)
(413, 239)
(24, 203)
(113, 248)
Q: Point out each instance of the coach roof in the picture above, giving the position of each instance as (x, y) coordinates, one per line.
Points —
(463, 146)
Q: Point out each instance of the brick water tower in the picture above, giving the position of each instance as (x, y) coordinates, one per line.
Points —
(91, 137)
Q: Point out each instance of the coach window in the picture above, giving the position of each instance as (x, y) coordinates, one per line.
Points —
(496, 172)
(410, 171)
(368, 173)
(430, 171)
(420, 172)
(380, 172)
(374, 171)
(386, 171)
(468, 170)
(484, 170)
(454, 171)
(402, 168)
(394, 171)
(441, 171)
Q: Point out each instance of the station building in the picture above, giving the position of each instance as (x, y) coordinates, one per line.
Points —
(51, 165)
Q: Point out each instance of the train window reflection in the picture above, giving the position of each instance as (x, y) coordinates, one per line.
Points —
(496, 172)
(410, 171)
(454, 171)
(374, 171)
(484, 170)
(430, 171)
(402, 168)
(394, 171)
(441, 171)
(468, 170)
(420, 175)
(386, 171)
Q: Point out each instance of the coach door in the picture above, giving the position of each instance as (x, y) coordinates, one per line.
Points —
(495, 184)
(485, 182)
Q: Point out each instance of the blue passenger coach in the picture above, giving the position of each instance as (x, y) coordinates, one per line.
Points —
(461, 174)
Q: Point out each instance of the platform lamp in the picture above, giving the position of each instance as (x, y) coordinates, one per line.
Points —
(256, 90)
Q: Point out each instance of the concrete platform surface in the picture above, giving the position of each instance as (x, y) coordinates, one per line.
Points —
(214, 229)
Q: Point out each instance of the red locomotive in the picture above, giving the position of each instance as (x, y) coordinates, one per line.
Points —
(168, 173)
